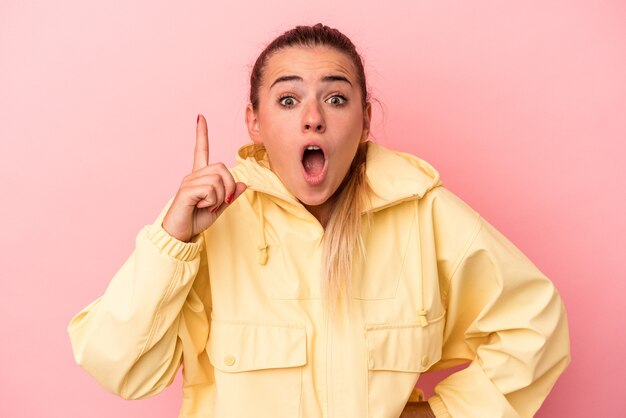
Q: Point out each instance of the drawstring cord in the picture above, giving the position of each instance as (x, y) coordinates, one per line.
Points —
(263, 246)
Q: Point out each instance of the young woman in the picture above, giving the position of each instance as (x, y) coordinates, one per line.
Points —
(323, 273)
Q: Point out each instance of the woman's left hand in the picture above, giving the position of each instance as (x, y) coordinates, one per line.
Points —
(417, 410)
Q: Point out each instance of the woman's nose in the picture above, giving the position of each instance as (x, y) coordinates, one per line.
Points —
(313, 120)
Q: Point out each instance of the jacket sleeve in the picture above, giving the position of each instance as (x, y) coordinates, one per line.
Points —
(131, 339)
(504, 317)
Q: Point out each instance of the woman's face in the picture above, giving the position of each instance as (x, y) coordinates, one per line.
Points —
(310, 118)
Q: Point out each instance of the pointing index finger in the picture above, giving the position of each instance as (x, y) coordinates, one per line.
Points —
(201, 151)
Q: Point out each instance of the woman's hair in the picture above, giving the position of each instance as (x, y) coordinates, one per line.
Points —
(343, 236)
(307, 36)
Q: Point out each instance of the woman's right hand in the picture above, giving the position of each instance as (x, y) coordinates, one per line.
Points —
(203, 195)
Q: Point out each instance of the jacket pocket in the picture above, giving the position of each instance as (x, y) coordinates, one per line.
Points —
(396, 355)
(258, 368)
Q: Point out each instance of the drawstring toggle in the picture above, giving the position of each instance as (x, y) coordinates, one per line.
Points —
(422, 317)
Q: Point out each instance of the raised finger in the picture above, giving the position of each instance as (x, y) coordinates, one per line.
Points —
(201, 151)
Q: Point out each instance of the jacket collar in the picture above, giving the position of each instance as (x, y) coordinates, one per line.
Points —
(396, 176)
(393, 176)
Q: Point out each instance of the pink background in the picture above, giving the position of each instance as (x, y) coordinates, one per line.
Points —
(520, 105)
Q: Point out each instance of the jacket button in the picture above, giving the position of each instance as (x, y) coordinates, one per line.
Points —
(424, 361)
(229, 360)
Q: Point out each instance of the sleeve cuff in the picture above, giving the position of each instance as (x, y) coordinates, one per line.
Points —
(439, 409)
(167, 244)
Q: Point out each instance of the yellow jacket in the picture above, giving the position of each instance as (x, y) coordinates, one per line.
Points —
(240, 307)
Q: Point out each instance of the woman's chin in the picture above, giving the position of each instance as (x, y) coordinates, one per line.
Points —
(314, 198)
(313, 201)
(317, 198)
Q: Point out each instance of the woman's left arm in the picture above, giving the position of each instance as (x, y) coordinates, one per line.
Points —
(504, 316)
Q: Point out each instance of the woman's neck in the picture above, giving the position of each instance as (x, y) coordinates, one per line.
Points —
(321, 212)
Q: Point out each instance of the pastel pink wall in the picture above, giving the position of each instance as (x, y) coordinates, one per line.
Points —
(520, 105)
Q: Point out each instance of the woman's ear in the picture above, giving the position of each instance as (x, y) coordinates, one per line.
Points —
(367, 119)
(252, 123)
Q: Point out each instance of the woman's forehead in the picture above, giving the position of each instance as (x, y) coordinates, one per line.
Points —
(307, 62)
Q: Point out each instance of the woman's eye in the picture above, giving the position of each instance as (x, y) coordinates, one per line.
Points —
(287, 101)
(336, 100)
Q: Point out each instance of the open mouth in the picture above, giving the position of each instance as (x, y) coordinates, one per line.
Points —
(313, 160)
(314, 163)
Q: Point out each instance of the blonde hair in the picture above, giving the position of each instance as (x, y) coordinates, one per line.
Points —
(343, 239)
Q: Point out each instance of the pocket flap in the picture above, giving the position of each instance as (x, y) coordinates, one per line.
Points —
(407, 347)
(239, 346)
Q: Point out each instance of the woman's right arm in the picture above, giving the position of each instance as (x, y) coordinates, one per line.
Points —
(129, 339)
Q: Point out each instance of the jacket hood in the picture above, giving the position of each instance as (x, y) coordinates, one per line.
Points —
(393, 176)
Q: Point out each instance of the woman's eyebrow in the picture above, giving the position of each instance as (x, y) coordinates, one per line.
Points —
(331, 78)
(326, 79)
(286, 78)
